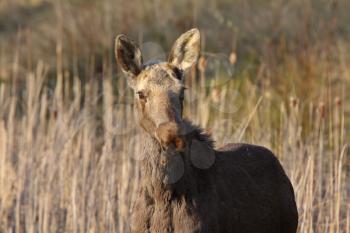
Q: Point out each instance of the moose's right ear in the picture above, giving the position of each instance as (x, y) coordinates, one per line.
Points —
(128, 55)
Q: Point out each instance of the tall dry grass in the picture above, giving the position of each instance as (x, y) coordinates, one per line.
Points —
(69, 154)
(68, 139)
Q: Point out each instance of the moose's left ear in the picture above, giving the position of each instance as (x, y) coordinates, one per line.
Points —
(186, 49)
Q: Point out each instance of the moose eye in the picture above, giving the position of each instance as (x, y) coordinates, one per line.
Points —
(178, 73)
(141, 95)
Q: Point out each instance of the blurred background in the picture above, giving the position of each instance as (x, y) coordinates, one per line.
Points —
(271, 72)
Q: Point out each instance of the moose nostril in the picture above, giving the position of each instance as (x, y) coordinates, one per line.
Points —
(169, 133)
(180, 143)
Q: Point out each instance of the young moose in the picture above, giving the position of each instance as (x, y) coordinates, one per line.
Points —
(186, 185)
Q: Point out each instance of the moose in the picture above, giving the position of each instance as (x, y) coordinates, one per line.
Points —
(187, 185)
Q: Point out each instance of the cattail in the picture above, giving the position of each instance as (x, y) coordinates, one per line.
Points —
(337, 101)
(215, 95)
(293, 102)
(233, 58)
(55, 114)
(4, 74)
(202, 63)
(322, 109)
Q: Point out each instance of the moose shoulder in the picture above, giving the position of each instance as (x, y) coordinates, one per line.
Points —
(186, 184)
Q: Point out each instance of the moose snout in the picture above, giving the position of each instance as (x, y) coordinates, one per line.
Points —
(169, 134)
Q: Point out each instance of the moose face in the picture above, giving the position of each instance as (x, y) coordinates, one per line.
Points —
(158, 88)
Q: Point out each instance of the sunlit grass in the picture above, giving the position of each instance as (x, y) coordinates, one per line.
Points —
(69, 142)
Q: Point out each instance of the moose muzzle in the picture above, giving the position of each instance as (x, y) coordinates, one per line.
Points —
(169, 135)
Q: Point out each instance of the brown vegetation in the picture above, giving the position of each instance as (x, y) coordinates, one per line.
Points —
(273, 73)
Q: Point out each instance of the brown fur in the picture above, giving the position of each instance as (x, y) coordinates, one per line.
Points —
(245, 190)
(186, 185)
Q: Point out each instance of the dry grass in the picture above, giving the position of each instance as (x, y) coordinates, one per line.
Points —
(68, 141)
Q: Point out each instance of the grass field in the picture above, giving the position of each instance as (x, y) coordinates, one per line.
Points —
(274, 73)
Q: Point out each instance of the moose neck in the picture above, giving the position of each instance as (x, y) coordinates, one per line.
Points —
(168, 174)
